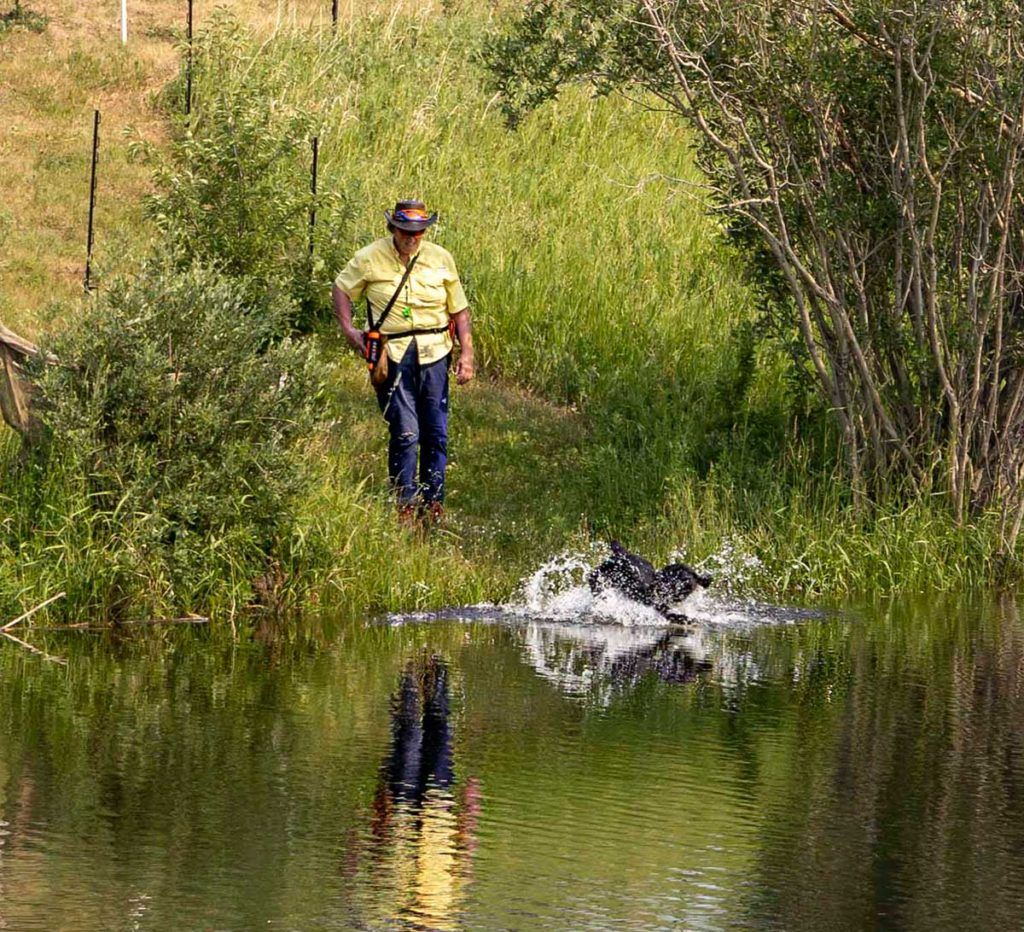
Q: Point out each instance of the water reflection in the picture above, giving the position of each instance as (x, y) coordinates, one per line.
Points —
(421, 746)
(819, 775)
(422, 821)
(15, 832)
(602, 661)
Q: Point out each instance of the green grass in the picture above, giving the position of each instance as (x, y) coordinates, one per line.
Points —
(622, 392)
(595, 281)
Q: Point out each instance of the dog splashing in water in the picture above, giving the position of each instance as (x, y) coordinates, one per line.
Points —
(633, 576)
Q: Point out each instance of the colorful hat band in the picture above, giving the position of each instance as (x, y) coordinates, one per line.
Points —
(412, 215)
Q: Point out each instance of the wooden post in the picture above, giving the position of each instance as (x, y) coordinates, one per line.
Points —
(16, 392)
(124, 22)
(312, 190)
(92, 199)
(334, 13)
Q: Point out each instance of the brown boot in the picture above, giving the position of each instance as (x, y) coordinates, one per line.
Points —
(408, 517)
(433, 513)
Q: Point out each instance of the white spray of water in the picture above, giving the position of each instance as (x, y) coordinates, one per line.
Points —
(735, 571)
(558, 591)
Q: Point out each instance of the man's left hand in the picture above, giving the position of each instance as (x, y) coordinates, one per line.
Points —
(464, 369)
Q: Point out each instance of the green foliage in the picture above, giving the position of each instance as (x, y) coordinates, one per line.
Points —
(631, 391)
(554, 44)
(867, 158)
(19, 16)
(233, 189)
(174, 419)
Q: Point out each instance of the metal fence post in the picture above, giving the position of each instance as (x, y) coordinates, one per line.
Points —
(188, 64)
(92, 199)
(312, 190)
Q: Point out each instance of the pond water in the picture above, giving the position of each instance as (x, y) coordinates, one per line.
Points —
(760, 770)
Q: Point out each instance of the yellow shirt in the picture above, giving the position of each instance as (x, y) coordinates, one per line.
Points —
(431, 295)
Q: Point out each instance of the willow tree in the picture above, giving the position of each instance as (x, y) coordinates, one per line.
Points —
(869, 154)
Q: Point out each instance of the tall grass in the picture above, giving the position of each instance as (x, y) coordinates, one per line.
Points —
(599, 282)
(595, 280)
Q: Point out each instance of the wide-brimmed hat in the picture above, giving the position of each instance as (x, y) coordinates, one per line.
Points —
(410, 216)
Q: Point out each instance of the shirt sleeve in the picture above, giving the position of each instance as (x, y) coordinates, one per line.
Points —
(457, 300)
(352, 279)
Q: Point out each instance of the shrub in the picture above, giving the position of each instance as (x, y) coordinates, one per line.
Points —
(179, 405)
(233, 186)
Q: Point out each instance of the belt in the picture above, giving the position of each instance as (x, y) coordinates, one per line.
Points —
(415, 333)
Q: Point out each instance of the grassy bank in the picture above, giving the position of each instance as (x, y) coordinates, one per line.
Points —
(623, 390)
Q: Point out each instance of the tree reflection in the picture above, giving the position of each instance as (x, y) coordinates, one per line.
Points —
(903, 786)
(15, 829)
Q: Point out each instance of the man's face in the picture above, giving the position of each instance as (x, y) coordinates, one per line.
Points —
(407, 242)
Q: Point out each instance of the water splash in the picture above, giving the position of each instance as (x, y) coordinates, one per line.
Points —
(561, 576)
(558, 591)
(735, 570)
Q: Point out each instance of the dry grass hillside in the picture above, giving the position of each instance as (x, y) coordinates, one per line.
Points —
(50, 83)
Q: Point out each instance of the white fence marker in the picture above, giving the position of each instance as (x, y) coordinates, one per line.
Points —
(124, 22)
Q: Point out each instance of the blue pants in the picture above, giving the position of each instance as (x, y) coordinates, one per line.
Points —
(414, 402)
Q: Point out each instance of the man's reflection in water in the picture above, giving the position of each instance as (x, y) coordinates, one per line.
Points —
(422, 823)
(421, 735)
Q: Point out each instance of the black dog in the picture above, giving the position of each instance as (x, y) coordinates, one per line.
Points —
(633, 576)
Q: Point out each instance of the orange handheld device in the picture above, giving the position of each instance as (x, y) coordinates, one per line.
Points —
(371, 346)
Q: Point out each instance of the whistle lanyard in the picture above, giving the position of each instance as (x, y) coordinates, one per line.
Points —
(407, 310)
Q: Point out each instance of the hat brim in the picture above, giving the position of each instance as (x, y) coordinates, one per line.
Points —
(410, 226)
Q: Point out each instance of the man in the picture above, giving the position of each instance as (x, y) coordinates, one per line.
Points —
(414, 396)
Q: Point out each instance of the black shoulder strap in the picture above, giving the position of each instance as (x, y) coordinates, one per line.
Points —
(391, 303)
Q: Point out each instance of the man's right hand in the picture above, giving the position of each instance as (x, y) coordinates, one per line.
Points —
(343, 311)
(357, 340)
